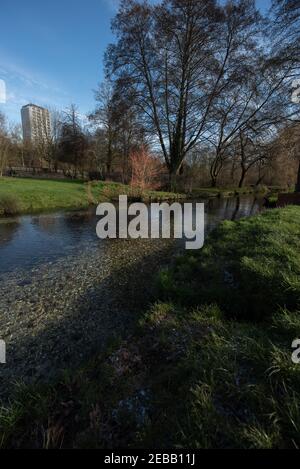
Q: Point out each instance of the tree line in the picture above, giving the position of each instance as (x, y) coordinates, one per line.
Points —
(205, 87)
(208, 78)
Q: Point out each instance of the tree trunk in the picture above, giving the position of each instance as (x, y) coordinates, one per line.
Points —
(259, 180)
(109, 157)
(213, 181)
(172, 180)
(174, 169)
(241, 182)
(215, 169)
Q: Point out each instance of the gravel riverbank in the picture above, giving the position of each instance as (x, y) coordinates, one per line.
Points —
(56, 314)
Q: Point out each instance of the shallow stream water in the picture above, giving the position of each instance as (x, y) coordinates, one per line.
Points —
(28, 241)
(64, 293)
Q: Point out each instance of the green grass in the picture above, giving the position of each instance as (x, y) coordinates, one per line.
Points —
(248, 267)
(102, 191)
(208, 366)
(271, 198)
(221, 384)
(35, 195)
(9, 205)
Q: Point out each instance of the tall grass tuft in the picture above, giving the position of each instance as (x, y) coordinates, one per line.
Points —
(9, 205)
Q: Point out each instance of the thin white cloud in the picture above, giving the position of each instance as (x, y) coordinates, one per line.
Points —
(3, 96)
(24, 86)
(112, 4)
(11, 71)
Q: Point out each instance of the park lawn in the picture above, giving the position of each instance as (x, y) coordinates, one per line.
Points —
(24, 195)
(37, 195)
(209, 364)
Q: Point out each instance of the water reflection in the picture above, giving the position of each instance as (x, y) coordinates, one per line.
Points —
(31, 240)
(8, 229)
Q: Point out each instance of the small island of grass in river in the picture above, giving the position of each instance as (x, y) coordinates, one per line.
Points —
(208, 365)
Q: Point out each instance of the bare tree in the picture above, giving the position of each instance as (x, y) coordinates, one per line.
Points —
(256, 97)
(4, 144)
(146, 170)
(73, 142)
(287, 28)
(117, 127)
(196, 72)
(287, 44)
(162, 59)
(104, 115)
(55, 137)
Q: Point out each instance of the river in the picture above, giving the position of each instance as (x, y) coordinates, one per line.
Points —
(64, 292)
(28, 241)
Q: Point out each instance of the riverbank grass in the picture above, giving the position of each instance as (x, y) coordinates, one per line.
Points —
(105, 191)
(208, 365)
(249, 267)
(213, 192)
(22, 195)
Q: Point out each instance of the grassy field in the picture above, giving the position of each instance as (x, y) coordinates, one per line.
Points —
(19, 195)
(209, 364)
(34, 195)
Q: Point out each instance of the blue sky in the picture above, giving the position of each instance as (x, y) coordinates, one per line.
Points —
(51, 53)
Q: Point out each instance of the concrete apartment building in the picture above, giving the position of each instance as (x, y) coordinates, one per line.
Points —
(36, 123)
